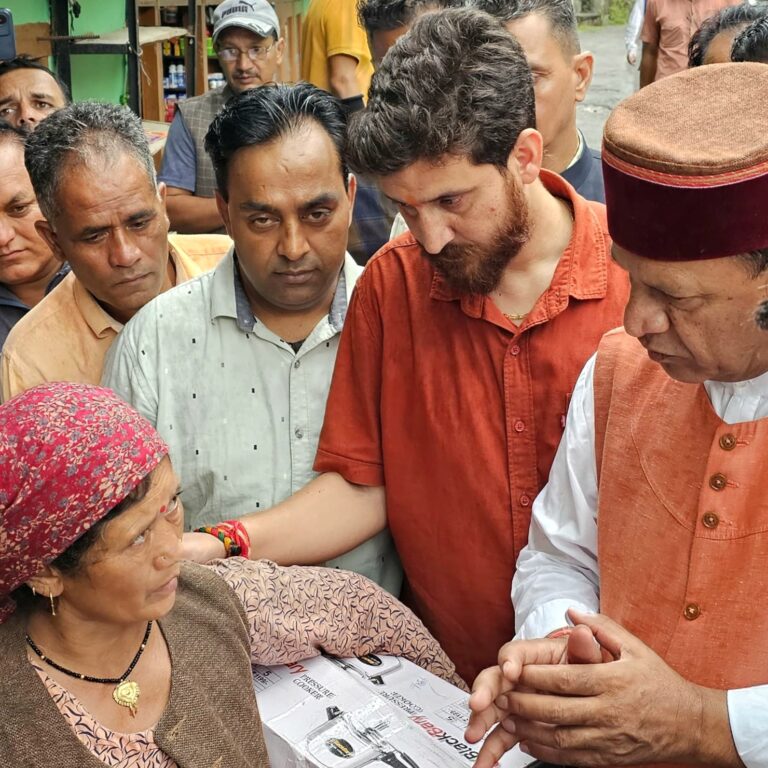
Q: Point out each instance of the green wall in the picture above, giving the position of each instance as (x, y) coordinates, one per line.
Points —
(28, 11)
(94, 76)
(97, 76)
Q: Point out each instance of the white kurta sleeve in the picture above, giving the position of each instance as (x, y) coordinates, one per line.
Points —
(558, 568)
(748, 716)
(634, 26)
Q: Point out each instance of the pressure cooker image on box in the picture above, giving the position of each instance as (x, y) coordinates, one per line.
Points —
(359, 738)
(371, 667)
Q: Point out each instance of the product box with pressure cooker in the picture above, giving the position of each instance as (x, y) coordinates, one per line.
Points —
(373, 711)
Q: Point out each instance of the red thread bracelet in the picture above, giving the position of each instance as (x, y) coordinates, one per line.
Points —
(232, 534)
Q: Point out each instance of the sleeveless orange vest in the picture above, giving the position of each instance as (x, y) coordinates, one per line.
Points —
(682, 520)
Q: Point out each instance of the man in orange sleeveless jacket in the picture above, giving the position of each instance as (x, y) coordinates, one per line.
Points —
(656, 510)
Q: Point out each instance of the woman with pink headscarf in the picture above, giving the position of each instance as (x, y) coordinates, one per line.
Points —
(112, 651)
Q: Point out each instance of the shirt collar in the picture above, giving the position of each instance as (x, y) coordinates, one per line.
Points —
(9, 299)
(757, 387)
(582, 272)
(581, 165)
(58, 277)
(228, 297)
(579, 150)
(97, 318)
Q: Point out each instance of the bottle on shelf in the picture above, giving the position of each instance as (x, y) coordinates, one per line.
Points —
(170, 16)
(216, 80)
(170, 108)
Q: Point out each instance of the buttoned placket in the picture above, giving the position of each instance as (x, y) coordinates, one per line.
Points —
(298, 370)
(519, 409)
(711, 519)
(521, 433)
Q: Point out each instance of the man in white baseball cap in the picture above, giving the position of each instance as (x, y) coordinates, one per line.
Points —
(246, 36)
(258, 16)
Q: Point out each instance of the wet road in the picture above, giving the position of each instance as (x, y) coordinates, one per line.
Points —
(613, 79)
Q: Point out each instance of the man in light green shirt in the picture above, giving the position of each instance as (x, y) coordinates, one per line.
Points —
(233, 368)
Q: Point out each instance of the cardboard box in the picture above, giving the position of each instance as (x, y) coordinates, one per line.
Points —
(377, 711)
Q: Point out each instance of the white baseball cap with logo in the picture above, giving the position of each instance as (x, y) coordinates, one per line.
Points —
(254, 15)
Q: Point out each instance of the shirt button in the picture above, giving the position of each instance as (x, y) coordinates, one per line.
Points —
(525, 500)
(297, 364)
(692, 611)
(710, 520)
(519, 426)
(515, 349)
(299, 434)
(728, 442)
(717, 482)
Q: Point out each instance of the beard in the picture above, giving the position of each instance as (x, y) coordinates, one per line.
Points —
(476, 268)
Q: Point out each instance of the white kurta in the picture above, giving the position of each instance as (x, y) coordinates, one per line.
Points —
(558, 569)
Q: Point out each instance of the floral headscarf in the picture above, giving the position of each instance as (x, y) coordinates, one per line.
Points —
(68, 454)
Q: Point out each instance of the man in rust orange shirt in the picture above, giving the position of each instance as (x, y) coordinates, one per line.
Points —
(463, 338)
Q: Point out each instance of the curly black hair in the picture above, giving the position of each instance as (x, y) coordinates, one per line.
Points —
(733, 17)
(751, 44)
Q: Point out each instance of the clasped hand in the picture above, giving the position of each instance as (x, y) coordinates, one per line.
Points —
(599, 696)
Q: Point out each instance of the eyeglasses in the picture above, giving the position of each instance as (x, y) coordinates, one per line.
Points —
(256, 53)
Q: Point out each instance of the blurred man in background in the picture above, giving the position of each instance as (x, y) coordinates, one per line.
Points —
(28, 267)
(29, 92)
(246, 38)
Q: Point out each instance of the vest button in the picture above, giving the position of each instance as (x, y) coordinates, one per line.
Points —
(525, 500)
(717, 482)
(728, 442)
(692, 611)
(710, 520)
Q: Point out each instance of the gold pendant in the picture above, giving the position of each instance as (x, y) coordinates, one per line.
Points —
(127, 695)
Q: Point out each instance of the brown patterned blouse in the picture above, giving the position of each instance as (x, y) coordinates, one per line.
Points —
(293, 614)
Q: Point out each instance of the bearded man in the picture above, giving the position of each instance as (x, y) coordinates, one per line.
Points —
(462, 341)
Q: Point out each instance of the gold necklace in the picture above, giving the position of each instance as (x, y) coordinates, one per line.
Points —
(514, 318)
(126, 692)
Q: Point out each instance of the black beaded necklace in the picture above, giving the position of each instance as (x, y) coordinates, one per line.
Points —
(126, 693)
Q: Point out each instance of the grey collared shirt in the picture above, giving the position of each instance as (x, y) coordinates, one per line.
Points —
(240, 410)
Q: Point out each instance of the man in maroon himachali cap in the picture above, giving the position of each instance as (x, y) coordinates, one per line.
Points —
(650, 540)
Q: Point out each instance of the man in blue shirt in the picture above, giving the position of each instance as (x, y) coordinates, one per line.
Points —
(28, 268)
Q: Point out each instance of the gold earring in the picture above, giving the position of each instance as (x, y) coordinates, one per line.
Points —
(34, 592)
(53, 605)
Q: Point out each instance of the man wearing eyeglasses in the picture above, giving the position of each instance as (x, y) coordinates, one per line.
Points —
(246, 36)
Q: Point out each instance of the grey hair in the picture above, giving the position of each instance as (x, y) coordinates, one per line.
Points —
(78, 134)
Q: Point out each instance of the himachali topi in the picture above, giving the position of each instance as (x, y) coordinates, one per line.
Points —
(682, 152)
